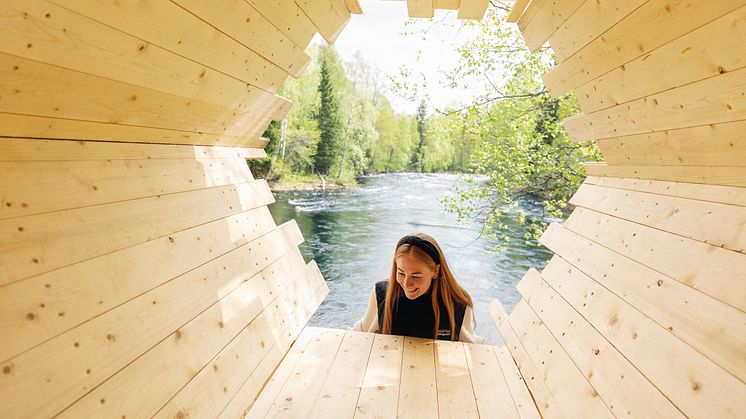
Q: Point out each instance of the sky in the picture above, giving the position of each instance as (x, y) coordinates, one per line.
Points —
(377, 34)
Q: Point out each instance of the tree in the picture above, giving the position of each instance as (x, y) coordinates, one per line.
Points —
(328, 121)
(418, 159)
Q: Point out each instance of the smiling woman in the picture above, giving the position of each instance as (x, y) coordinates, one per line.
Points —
(435, 305)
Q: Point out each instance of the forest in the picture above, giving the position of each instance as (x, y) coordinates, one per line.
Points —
(509, 142)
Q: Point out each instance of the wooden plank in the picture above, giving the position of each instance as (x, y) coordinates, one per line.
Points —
(261, 406)
(288, 18)
(40, 243)
(40, 127)
(531, 11)
(712, 193)
(209, 392)
(242, 22)
(33, 88)
(587, 23)
(709, 222)
(472, 9)
(62, 38)
(543, 399)
(556, 367)
(715, 100)
(299, 394)
(455, 391)
(30, 188)
(694, 317)
(61, 370)
(380, 393)
(622, 387)
(446, 4)
(524, 403)
(418, 395)
(82, 293)
(653, 24)
(697, 386)
(155, 22)
(186, 358)
(488, 381)
(31, 149)
(420, 9)
(692, 57)
(338, 397)
(353, 6)
(703, 175)
(547, 20)
(329, 17)
(708, 145)
(517, 10)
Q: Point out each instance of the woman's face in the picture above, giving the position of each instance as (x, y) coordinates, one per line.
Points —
(414, 276)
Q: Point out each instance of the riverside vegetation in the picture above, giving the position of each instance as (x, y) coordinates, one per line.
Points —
(508, 143)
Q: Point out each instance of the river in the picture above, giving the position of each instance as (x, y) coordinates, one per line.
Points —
(352, 233)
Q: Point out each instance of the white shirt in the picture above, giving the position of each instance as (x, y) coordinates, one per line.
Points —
(369, 322)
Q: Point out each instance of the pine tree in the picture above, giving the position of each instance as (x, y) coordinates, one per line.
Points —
(418, 159)
(328, 122)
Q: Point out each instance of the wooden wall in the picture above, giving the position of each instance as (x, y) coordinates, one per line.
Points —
(642, 308)
(141, 273)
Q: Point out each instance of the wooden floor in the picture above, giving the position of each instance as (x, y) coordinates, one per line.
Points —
(332, 373)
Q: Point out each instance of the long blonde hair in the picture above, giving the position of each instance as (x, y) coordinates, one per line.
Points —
(444, 285)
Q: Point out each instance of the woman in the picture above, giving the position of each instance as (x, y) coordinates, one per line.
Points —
(420, 294)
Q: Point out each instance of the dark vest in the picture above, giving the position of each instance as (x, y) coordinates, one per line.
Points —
(416, 317)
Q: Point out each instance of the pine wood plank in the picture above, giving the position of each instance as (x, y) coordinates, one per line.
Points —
(339, 394)
(62, 38)
(708, 145)
(446, 4)
(709, 269)
(715, 100)
(41, 127)
(697, 386)
(709, 222)
(623, 388)
(592, 19)
(653, 24)
(40, 187)
(531, 11)
(209, 392)
(61, 370)
(33, 88)
(40, 243)
(329, 17)
(547, 20)
(242, 22)
(517, 10)
(692, 57)
(32, 149)
(490, 389)
(556, 367)
(706, 324)
(288, 18)
(712, 193)
(418, 395)
(455, 391)
(261, 406)
(187, 355)
(154, 23)
(523, 402)
(703, 175)
(420, 9)
(380, 392)
(298, 395)
(543, 399)
(472, 9)
(353, 6)
(82, 293)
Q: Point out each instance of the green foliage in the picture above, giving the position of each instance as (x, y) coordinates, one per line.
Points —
(327, 120)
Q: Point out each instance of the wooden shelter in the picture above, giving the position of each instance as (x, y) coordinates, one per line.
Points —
(142, 275)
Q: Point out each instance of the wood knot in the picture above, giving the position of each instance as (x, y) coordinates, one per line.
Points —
(30, 316)
(111, 338)
(660, 282)
(696, 386)
(6, 369)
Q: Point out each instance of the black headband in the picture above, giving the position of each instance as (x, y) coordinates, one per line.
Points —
(424, 245)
